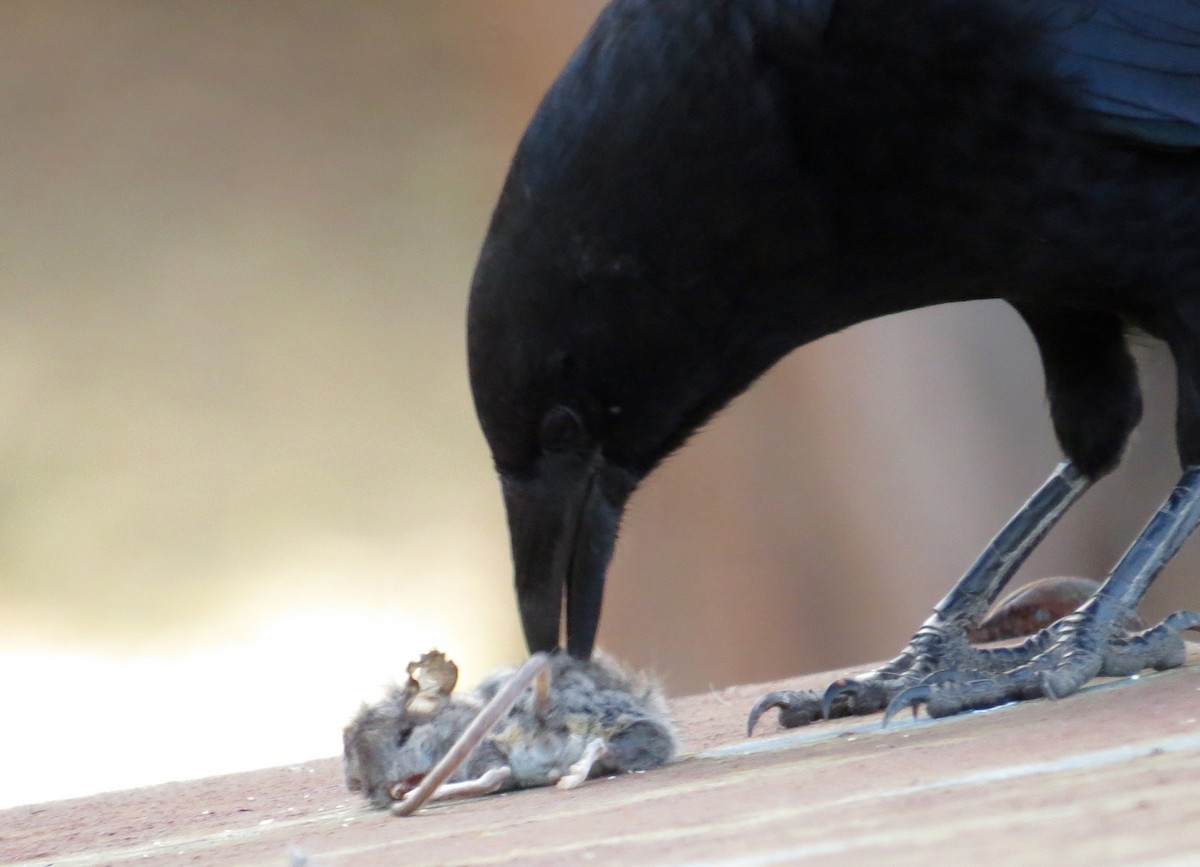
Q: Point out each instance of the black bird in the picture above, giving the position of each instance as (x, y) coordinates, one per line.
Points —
(710, 184)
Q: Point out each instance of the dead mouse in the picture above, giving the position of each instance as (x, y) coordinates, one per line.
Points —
(558, 720)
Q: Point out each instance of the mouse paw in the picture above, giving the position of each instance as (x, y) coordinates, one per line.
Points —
(578, 772)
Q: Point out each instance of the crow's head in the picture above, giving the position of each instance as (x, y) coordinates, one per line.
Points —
(610, 312)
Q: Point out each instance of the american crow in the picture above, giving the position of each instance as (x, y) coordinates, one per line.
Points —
(710, 184)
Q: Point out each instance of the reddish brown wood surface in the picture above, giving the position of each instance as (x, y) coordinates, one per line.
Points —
(1110, 776)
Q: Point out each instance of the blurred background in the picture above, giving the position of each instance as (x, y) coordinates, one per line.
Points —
(241, 482)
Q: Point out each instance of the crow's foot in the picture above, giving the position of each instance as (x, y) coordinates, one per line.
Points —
(938, 646)
(796, 708)
(1076, 649)
(942, 651)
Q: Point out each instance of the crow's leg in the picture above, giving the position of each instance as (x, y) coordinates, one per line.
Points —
(1089, 642)
(941, 642)
(1095, 402)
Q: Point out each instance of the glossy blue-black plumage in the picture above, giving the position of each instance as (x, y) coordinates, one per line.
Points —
(1138, 62)
(710, 184)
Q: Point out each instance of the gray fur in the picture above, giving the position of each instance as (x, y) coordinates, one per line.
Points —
(387, 744)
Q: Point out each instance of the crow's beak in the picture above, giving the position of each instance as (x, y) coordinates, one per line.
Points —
(563, 526)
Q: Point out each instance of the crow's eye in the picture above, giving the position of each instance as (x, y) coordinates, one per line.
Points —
(561, 430)
(402, 737)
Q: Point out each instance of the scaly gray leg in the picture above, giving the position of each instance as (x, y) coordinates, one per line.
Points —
(1090, 642)
(941, 642)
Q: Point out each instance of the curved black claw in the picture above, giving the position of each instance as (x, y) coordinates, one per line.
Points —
(848, 696)
(913, 697)
(948, 693)
(946, 676)
(796, 708)
(1083, 649)
(841, 690)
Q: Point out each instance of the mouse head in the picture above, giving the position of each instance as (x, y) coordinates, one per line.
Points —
(390, 746)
